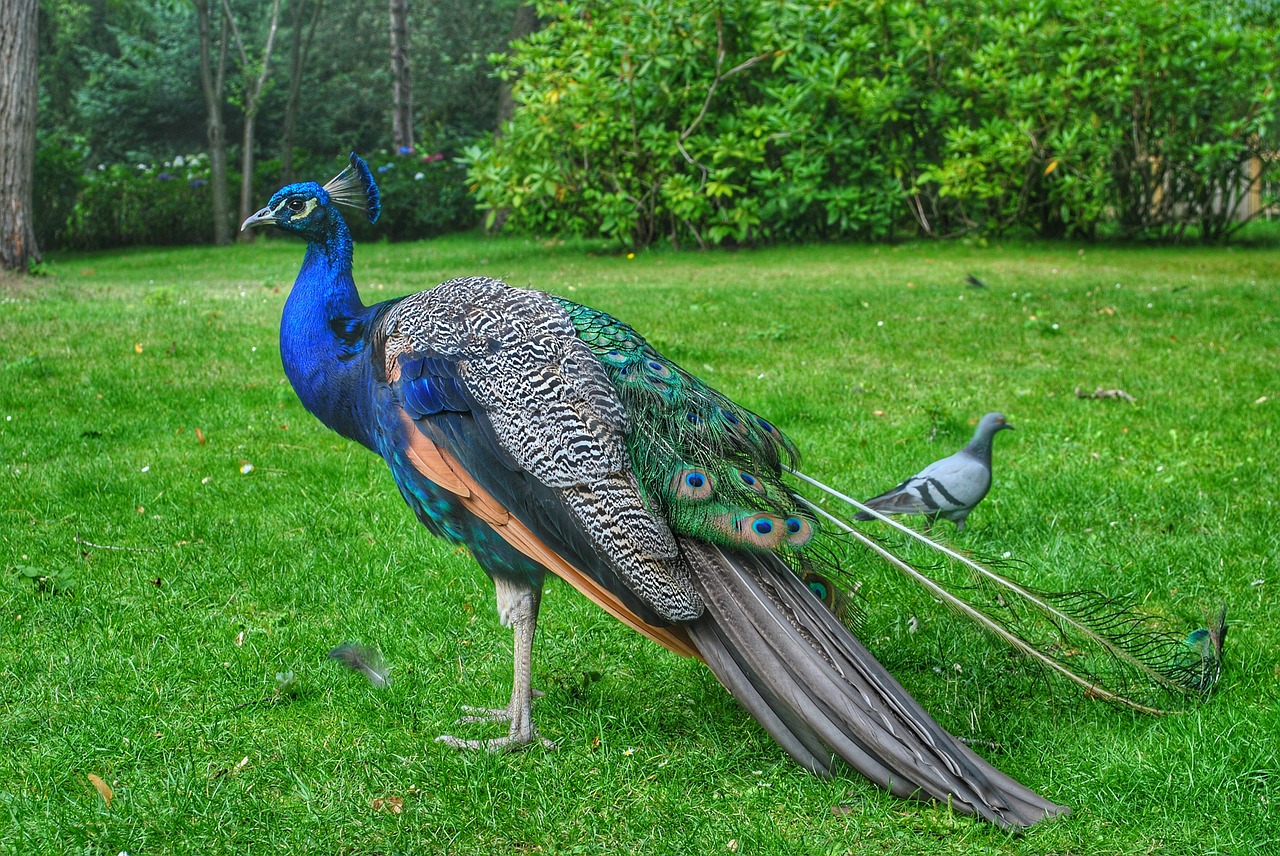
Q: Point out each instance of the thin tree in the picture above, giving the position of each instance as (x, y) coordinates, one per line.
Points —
(255, 80)
(212, 78)
(18, 98)
(525, 24)
(401, 78)
(298, 51)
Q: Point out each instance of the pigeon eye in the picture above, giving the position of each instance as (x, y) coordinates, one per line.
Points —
(296, 205)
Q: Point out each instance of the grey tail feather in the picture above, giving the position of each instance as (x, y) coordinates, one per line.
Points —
(822, 696)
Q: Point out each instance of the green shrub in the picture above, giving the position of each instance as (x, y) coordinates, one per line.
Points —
(59, 175)
(120, 205)
(747, 121)
(422, 196)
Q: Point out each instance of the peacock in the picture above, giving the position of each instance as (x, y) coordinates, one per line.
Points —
(550, 437)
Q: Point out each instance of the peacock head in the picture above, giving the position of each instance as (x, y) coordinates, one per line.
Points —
(309, 210)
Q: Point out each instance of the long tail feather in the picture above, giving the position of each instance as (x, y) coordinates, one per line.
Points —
(1110, 650)
(796, 668)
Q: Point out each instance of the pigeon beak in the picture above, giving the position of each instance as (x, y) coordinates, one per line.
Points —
(266, 215)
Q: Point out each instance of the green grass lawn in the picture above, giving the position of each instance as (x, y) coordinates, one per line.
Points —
(137, 387)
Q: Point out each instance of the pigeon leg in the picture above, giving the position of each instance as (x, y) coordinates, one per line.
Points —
(518, 609)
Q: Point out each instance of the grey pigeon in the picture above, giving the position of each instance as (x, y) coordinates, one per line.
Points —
(947, 488)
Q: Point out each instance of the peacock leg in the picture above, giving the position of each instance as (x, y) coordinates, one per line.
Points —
(517, 609)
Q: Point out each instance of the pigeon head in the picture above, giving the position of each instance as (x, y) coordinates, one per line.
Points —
(991, 423)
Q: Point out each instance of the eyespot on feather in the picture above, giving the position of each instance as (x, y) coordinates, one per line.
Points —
(759, 530)
(751, 482)
(799, 531)
(615, 357)
(732, 422)
(821, 587)
(769, 429)
(692, 485)
(658, 369)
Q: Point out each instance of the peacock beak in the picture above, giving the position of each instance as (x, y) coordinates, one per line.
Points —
(266, 215)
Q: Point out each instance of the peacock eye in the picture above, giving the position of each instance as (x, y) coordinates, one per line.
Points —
(296, 205)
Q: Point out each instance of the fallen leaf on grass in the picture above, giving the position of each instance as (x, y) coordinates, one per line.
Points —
(395, 805)
(102, 787)
(199, 436)
(231, 771)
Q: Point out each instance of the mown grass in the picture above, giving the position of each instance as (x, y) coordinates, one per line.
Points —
(183, 587)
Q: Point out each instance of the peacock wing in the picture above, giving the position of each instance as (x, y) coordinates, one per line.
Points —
(494, 380)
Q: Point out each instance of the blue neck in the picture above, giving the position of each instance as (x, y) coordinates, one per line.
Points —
(328, 371)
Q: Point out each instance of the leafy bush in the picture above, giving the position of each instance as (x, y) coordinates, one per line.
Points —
(422, 196)
(59, 175)
(122, 205)
(745, 121)
(119, 205)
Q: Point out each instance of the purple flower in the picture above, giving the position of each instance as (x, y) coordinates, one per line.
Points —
(385, 167)
(165, 176)
(406, 150)
(199, 182)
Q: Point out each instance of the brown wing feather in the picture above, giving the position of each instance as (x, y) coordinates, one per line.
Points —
(441, 468)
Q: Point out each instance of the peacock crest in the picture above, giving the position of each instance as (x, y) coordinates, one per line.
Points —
(355, 188)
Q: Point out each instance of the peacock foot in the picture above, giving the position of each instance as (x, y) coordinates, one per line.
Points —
(511, 743)
(490, 714)
(521, 734)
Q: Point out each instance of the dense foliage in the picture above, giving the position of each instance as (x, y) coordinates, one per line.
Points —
(740, 121)
(114, 205)
(751, 120)
(120, 88)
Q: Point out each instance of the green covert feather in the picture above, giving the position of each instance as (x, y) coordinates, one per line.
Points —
(710, 466)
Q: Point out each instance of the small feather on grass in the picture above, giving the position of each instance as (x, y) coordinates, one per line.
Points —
(365, 660)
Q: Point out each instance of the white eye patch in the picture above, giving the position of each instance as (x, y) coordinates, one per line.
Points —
(283, 208)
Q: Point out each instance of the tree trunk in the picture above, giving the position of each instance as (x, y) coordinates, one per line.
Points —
(401, 78)
(18, 90)
(526, 23)
(211, 80)
(253, 87)
(298, 51)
